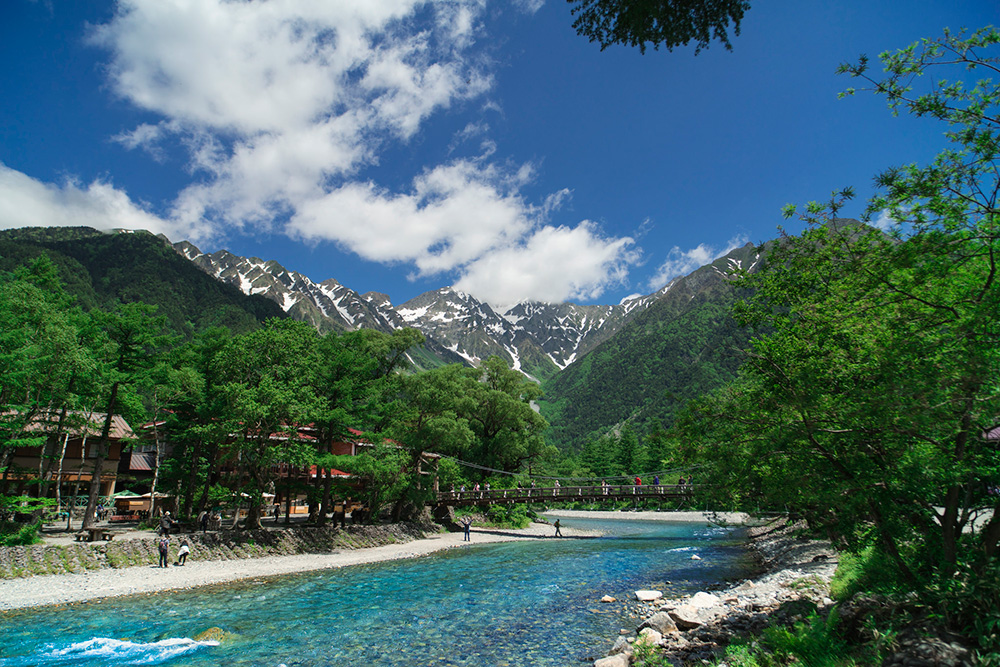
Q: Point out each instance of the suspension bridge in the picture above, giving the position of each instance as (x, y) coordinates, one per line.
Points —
(569, 493)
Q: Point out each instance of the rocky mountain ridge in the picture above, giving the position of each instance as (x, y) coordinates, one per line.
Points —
(537, 338)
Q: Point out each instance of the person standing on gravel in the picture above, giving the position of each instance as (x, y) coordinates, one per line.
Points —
(467, 524)
(164, 548)
(558, 532)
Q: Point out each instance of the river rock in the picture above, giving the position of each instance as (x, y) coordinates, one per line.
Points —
(213, 634)
(650, 637)
(619, 660)
(695, 557)
(704, 600)
(608, 598)
(648, 596)
(621, 646)
(687, 617)
(661, 622)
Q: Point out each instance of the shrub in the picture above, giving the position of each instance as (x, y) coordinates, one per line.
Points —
(14, 534)
(508, 516)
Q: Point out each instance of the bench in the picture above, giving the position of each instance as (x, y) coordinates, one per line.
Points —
(94, 534)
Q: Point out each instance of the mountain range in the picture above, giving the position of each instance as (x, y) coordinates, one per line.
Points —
(600, 366)
(539, 339)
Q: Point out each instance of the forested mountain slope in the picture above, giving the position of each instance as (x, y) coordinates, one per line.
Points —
(101, 268)
(681, 346)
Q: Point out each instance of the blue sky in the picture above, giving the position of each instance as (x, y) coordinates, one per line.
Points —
(399, 146)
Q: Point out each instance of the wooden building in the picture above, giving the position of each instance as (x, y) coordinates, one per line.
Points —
(66, 457)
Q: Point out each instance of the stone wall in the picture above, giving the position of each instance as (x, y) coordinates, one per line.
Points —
(26, 561)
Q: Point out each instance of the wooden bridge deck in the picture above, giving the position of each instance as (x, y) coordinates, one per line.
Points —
(566, 494)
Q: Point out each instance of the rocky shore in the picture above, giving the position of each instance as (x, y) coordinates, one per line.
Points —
(796, 575)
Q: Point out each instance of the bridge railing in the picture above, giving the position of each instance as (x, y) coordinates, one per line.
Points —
(566, 492)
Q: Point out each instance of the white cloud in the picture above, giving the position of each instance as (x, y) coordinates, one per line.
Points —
(529, 6)
(277, 106)
(278, 103)
(682, 262)
(552, 264)
(885, 222)
(26, 202)
(454, 214)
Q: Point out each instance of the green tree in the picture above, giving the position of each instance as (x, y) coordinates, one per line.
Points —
(667, 23)
(264, 379)
(43, 367)
(129, 340)
(508, 429)
(864, 401)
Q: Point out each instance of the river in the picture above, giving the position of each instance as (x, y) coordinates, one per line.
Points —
(532, 602)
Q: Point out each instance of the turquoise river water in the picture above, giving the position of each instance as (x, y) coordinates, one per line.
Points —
(533, 602)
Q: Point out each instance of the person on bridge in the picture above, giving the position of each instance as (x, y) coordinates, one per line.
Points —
(555, 489)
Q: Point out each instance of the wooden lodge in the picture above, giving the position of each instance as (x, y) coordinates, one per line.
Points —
(65, 458)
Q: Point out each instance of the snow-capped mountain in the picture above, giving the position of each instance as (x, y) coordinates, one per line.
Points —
(537, 338)
(327, 305)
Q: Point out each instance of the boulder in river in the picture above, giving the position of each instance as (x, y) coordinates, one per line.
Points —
(648, 596)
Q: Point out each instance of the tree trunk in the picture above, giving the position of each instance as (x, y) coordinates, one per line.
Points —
(49, 459)
(102, 455)
(324, 506)
(70, 508)
(210, 472)
(188, 502)
(62, 459)
(156, 468)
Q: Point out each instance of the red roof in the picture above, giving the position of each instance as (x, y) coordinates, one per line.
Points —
(336, 473)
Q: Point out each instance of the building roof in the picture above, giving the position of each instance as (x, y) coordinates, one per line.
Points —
(47, 422)
(142, 461)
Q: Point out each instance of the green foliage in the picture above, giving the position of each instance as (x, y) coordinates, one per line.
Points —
(670, 23)
(967, 600)
(509, 516)
(866, 570)
(19, 534)
(684, 345)
(813, 642)
(100, 269)
(876, 368)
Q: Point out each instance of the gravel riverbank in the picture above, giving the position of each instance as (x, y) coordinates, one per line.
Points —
(222, 558)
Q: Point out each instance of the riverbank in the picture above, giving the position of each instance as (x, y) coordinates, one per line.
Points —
(795, 578)
(128, 566)
(234, 560)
